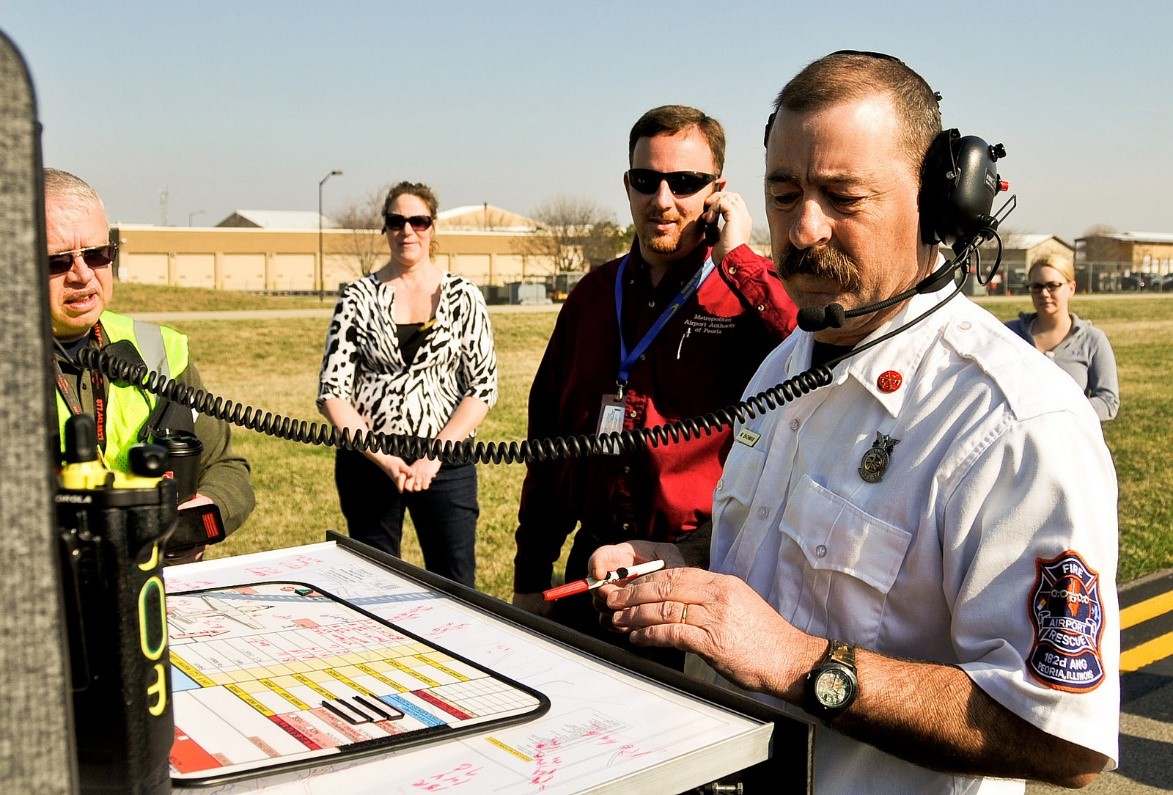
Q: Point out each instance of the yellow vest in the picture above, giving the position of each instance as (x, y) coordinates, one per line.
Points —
(127, 408)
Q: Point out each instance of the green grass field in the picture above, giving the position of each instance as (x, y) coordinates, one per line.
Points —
(273, 364)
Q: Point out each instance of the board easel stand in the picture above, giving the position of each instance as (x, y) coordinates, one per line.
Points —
(788, 768)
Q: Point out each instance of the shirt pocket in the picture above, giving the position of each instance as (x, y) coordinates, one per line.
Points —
(848, 560)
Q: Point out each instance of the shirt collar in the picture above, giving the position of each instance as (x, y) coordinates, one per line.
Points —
(901, 355)
(680, 271)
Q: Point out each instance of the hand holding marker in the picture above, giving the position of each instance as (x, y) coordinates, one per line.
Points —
(590, 583)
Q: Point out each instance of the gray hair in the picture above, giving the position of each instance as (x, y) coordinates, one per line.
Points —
(75, 190)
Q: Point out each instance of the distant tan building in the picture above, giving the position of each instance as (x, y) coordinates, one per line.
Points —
(277, 219)
(246, 253)
(1124, 260)
(484, 218)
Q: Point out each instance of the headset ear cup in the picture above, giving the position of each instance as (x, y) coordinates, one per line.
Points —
(937, 178)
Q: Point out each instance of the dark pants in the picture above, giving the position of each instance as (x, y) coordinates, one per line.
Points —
(444, 514)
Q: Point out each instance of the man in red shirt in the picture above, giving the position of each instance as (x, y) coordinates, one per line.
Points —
(647, 364)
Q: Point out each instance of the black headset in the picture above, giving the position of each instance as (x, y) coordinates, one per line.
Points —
(958, 182)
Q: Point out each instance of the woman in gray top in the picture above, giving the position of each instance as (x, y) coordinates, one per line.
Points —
(1081, 349)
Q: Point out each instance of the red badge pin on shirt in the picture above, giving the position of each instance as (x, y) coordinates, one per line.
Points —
(889, 381)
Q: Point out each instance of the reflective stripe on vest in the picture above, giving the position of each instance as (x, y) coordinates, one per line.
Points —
(148, 338)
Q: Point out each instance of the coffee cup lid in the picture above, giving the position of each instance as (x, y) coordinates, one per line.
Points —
(178, 440)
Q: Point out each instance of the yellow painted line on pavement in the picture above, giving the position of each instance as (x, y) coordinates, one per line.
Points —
(1146, 653)
(1143, 611)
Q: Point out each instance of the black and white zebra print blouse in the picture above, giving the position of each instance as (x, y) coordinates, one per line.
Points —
(362, 363)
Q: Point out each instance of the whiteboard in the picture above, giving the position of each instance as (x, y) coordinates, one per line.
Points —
(608, 729)
(281, 674)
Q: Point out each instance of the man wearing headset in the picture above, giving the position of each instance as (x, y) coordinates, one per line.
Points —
(695, 317)
(81, 286)
(921, 555)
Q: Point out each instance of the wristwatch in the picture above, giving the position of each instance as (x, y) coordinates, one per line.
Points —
(832, 686)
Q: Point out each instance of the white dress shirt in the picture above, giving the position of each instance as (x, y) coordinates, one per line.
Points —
(997, 506)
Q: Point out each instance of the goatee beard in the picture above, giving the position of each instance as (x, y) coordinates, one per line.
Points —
(822, 262)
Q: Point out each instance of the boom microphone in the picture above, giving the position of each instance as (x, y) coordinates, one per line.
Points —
(819, 318)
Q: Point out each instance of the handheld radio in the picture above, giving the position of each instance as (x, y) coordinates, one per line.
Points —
(112, 528)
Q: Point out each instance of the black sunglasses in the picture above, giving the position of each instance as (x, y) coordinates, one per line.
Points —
(393, 222)
(94, 257)
(681, 183)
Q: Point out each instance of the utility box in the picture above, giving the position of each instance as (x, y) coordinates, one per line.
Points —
(528, 293)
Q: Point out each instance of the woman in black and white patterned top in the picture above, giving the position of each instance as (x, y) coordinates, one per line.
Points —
(410, 351)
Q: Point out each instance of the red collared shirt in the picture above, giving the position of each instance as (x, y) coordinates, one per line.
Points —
(699, 363)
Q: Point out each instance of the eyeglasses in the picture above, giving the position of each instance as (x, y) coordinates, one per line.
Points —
(1050, 287)
(94, 257)
(681, 183)
(393, 222)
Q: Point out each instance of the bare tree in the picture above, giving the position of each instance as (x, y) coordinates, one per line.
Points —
(363, 217)
(1099, 230)
(604, 243)
(574, 234)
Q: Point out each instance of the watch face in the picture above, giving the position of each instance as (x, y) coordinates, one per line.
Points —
(833, 688)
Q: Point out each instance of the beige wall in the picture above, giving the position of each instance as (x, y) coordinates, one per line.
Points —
(1142, 256)
(244, 272)
(1108, 262)
(260, 260)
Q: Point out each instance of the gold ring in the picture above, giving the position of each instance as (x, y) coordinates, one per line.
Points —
(684, 613)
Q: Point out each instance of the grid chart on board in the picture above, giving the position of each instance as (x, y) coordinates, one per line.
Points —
(278, 673)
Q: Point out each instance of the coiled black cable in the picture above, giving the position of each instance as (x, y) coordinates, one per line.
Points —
(529, 450)
(463, 452)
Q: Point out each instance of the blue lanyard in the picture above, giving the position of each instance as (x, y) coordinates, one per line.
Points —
(628, 360)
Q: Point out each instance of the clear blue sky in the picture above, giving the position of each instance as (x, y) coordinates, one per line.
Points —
(247, 105)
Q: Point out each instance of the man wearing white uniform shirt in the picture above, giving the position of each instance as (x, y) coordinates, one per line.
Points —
(922, 554)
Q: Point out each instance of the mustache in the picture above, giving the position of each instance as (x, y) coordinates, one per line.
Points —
(823, 262)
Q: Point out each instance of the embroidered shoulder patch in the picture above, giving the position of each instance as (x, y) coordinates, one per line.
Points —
(1068, 616)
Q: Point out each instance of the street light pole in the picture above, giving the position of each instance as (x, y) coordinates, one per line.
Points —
(193, 214)
(321, 274)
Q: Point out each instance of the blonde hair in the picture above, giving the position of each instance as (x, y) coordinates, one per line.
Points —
(1047, 261)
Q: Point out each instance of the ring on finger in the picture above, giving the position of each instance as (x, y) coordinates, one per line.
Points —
(684, 613)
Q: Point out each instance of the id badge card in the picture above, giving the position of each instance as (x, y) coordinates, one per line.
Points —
(611, 411)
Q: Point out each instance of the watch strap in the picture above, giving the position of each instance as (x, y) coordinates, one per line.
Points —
(840, 652)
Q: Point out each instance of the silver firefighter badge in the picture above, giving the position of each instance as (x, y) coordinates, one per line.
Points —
(875, 461)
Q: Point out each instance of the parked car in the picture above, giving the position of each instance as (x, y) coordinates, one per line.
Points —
(1135, 281)
(1162, 284)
